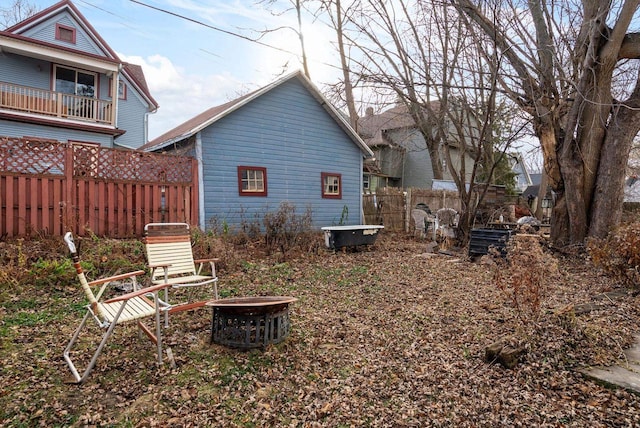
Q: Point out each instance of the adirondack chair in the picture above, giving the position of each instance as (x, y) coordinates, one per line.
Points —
(170, 259)
(133, 306)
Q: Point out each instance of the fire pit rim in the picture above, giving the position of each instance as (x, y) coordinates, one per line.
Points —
(255, 301)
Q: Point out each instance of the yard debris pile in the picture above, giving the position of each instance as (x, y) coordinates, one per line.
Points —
(379, 337)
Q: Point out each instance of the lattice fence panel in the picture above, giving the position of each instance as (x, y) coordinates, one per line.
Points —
(108, 164)
(110, 192)
(31, 156)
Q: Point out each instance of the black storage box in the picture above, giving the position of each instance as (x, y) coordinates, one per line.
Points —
(483, 239)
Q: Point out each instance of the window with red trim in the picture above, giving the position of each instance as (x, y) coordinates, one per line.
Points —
(65, 34)
(331, 185)
(122, 89)
(252, 181)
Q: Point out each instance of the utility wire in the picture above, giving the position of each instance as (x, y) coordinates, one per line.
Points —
(108, 12)
(249, 39)
(195, 21)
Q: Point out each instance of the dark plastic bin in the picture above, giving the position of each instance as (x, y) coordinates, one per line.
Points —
(483, 239)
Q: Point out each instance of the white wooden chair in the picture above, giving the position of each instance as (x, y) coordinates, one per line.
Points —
(170, 258)
(133, 306)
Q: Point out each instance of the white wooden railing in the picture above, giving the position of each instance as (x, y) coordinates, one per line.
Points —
(58, 104)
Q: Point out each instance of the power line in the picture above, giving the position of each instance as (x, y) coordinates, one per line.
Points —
(231, 33)
(195, 21)
(108, 12)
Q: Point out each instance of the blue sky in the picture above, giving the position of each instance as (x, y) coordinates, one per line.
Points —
(190, 67)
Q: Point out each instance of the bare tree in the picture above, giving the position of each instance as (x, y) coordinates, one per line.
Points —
(297, 7)
(564, 64)
(336, 14)
(18, 11)
(418, 53)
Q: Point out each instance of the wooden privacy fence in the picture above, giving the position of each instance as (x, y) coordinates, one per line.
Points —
(51, 187)
(392, 206)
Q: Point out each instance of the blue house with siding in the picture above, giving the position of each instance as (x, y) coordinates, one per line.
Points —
(60, 80)
(282, 143)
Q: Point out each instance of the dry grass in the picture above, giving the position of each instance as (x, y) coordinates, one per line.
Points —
(384, 338)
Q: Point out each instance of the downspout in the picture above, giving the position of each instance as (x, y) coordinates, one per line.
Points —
(146, 128)
(201, 215)
(362, 218)
(115, 97)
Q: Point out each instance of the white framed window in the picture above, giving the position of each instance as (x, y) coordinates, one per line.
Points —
(331, 185)
(252, 181)
(122, 89)
(75, 82)
(366, 181)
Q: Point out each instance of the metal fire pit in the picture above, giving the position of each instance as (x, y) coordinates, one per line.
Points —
(250, 322)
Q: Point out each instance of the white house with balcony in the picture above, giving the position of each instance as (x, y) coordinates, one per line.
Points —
(60, 80)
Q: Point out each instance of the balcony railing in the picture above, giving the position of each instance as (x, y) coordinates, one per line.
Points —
(57, 104)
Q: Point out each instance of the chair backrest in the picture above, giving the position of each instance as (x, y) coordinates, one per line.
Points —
(418, 218)
(169, 243)
(447, 217)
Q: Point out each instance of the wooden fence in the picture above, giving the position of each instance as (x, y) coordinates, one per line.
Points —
(392, 207)
(48, 187)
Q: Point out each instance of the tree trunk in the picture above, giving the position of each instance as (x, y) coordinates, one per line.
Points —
(585, 137)
(348, 88)
(608, 197)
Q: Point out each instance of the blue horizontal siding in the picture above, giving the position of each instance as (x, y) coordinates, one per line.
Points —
(288, 132)
(46, 32)
(131, 117)
(19, 129)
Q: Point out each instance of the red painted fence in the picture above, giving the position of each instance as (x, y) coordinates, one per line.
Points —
(48, 187)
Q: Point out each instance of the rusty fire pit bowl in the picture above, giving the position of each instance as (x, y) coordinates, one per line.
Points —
(250, 322)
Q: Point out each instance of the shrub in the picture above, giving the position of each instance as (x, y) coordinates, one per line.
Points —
(618, 255)
(285, 229)
(524, 275)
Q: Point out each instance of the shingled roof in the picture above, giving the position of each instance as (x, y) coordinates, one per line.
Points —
(372, 127)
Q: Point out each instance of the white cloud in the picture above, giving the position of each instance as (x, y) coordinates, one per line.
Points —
(180, 94)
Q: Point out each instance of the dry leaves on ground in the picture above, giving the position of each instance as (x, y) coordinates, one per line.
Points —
(386, 337)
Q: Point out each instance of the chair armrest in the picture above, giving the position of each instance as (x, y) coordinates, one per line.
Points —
(215, 259)
(116, 277)
(212, 265)
(137, 293)
(162, 265)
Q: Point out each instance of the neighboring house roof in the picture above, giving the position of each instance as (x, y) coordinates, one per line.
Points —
(536, 178)
(372, 126)
(212, 115)
(131, 71)
(531, 190)
(394, 118)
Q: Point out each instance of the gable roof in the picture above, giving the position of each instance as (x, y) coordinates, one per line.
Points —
(136, 76)
(64, 5)
(212, 115)
(373, 126)
(132, 72)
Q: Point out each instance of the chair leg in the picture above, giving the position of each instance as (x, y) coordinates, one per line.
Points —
(94, 359)
(103, 342)
(156, 300)
(67, 350)
(157, 336)
(166, 295)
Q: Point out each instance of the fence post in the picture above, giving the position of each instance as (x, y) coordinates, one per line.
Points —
(407, 210)
(195, 195)
(67, 210)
